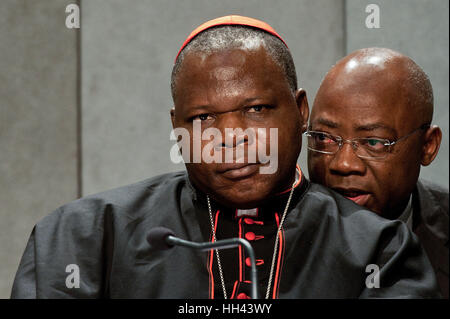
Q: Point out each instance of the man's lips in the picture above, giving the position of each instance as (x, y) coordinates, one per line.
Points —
(358, 196)
(237, 170)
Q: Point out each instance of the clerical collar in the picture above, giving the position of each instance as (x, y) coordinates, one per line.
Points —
(253, 212)
(407, 215)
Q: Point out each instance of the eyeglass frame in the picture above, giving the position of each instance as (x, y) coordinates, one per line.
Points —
(341, 141)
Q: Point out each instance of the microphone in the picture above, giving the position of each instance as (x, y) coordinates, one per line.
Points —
(162, 238)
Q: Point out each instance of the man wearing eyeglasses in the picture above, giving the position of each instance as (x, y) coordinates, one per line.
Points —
(370, 132)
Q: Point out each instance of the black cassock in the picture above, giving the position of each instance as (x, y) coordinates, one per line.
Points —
(329, 248)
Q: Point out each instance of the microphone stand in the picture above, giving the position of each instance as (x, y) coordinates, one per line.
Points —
(223, 244)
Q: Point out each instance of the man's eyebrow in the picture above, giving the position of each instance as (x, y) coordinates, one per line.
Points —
(207, 107)
(198, 107)
(251, 99)
(374, 126)
(325, 122)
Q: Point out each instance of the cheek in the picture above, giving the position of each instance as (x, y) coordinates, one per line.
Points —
(266, 144)
(399, 171)
(383, 177)
(387, 180)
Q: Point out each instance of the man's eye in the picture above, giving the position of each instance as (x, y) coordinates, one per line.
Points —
(256, 108)
(375, 143)
(202, 117)
(323, 138)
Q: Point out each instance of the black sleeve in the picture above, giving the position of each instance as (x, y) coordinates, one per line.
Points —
(67, 254)
(404, 269)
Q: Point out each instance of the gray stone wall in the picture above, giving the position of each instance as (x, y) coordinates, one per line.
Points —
(38, 122)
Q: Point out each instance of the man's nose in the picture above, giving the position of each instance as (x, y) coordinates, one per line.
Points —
(231, 125)
(346, 162)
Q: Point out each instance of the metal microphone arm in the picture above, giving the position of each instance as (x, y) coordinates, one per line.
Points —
(223, 244)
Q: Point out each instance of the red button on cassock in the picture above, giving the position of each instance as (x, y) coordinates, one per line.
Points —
(250, 221)
(258, 262)
(242, 296)
(250, 236)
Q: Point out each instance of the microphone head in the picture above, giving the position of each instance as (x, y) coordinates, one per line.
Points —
(157, 238)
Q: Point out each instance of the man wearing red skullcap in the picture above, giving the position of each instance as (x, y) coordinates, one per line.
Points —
(238, 117)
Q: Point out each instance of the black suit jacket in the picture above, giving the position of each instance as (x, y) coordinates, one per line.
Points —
(430, 224)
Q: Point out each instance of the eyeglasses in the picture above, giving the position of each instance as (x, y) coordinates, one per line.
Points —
(370, 148)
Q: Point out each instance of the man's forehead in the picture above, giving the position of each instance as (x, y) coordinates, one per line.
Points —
(336, 102)
(356, 121)
(364, 80)
(225, 73)
(365, 125)
(222, 76)
(237, 57)
(365, 95)
(224, 61)
(229, 65)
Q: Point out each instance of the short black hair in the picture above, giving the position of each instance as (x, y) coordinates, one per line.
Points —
(237, 36)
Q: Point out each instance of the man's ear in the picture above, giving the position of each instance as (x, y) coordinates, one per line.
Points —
(432, 142)
(303, 107)
(172, 116)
